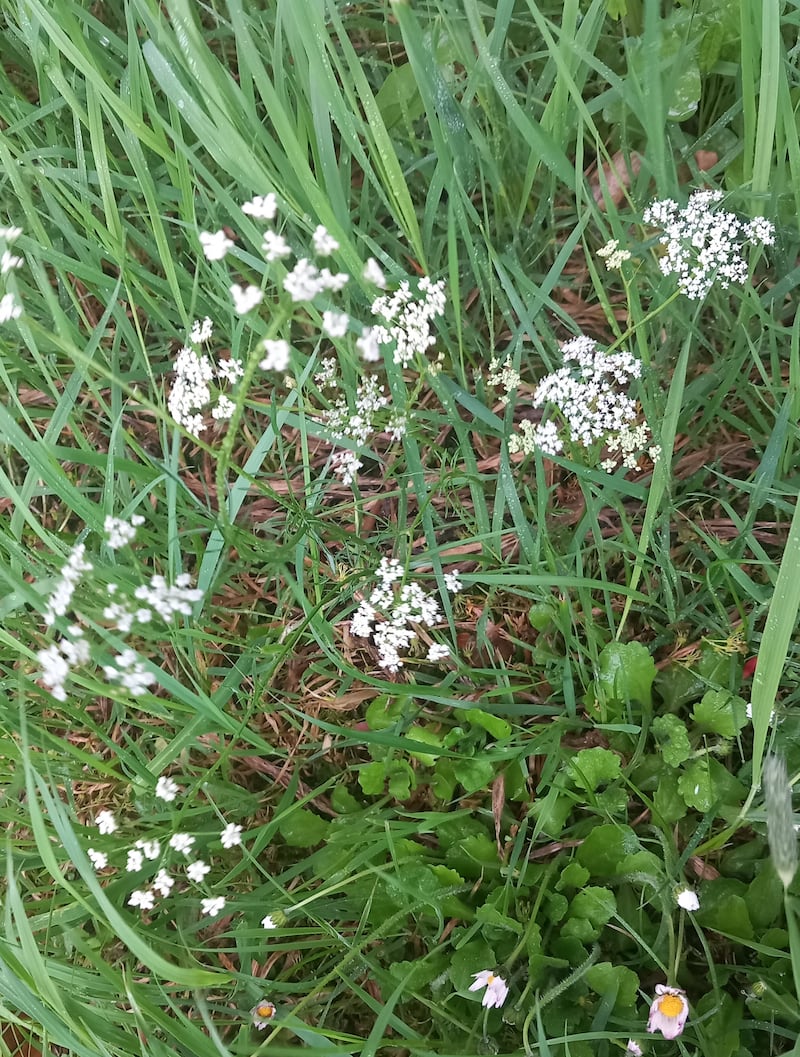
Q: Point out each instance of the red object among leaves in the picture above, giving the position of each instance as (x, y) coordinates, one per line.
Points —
(749, 667)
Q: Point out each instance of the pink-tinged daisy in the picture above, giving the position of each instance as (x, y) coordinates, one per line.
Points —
(668, 1012)
(496, 988)
(263, 1013)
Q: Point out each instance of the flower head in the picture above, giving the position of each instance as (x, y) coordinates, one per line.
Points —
(668, 1011)
(262, 207)
(211, 907)
(181, 842)
(197, 870)
(687, 899)
(105, 822)
(98, 859)
(231, 835)
(144, 900)
(324, 242)
(215, 244)
(263, 1013)
(496, 988)
(703, 244)
(634, 1048)
(118, 531)
(277, 358)
(245, 298)
(166, 789)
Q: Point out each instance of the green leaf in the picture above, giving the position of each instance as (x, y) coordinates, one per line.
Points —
(579, 929)
(605, 978)
(472, 958)
(343, 801)
(625, 673)
(605, 847)
(721, 1028)
(401, 779)
(591, 768)
(490, 916)
(498, 727)
(724, 908)
(428, 736)
(474, 773)
(667, 800)
(418, 974)
(617, 9)
(706, 782)
(572, 876)
(721, 712)
(594, 904)
(399, 97)
(384, 712)
(556, 907)
(764, 897)
(372, 778)
(673, 740)
(696, 787)
(302, 828)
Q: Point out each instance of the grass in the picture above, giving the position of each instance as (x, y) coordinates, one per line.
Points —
(532, 805)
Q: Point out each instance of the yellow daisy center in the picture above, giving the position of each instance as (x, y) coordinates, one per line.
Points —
(265, 1010)
(670, 1006)
(490, 979)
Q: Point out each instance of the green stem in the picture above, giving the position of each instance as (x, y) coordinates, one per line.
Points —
(226, 448)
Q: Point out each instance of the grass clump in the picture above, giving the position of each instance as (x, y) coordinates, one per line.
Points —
(398, 528)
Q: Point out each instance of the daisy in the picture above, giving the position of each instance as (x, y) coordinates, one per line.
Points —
(496, 988)
(263, 1013)
(668, 1012)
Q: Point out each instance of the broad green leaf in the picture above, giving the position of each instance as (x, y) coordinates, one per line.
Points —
(591, 768)
(572, 876)
(605, 847)
(303, 829)
(667, 800)
(673, 740)
(721, 712)
(474, 773)
(498, 727)
(607, 978)
(625, 673)
(724, 908)
(594, 904)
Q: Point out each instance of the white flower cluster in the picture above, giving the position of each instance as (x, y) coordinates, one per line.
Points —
(151, 850)
(119, 532)
(190, 394)
(388, 615)
(590, 395)
(356, 423)
(167, 874)
(613, 255)
(61, 596)
(403, 323)
(502, 376)
(58, 660)
(156, 598)
(10, 308)
(407, 319)
(704, 245)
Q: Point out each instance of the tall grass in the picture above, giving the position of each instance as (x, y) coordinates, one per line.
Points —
(532, 805)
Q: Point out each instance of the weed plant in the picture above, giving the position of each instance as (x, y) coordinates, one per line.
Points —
(398, 527)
